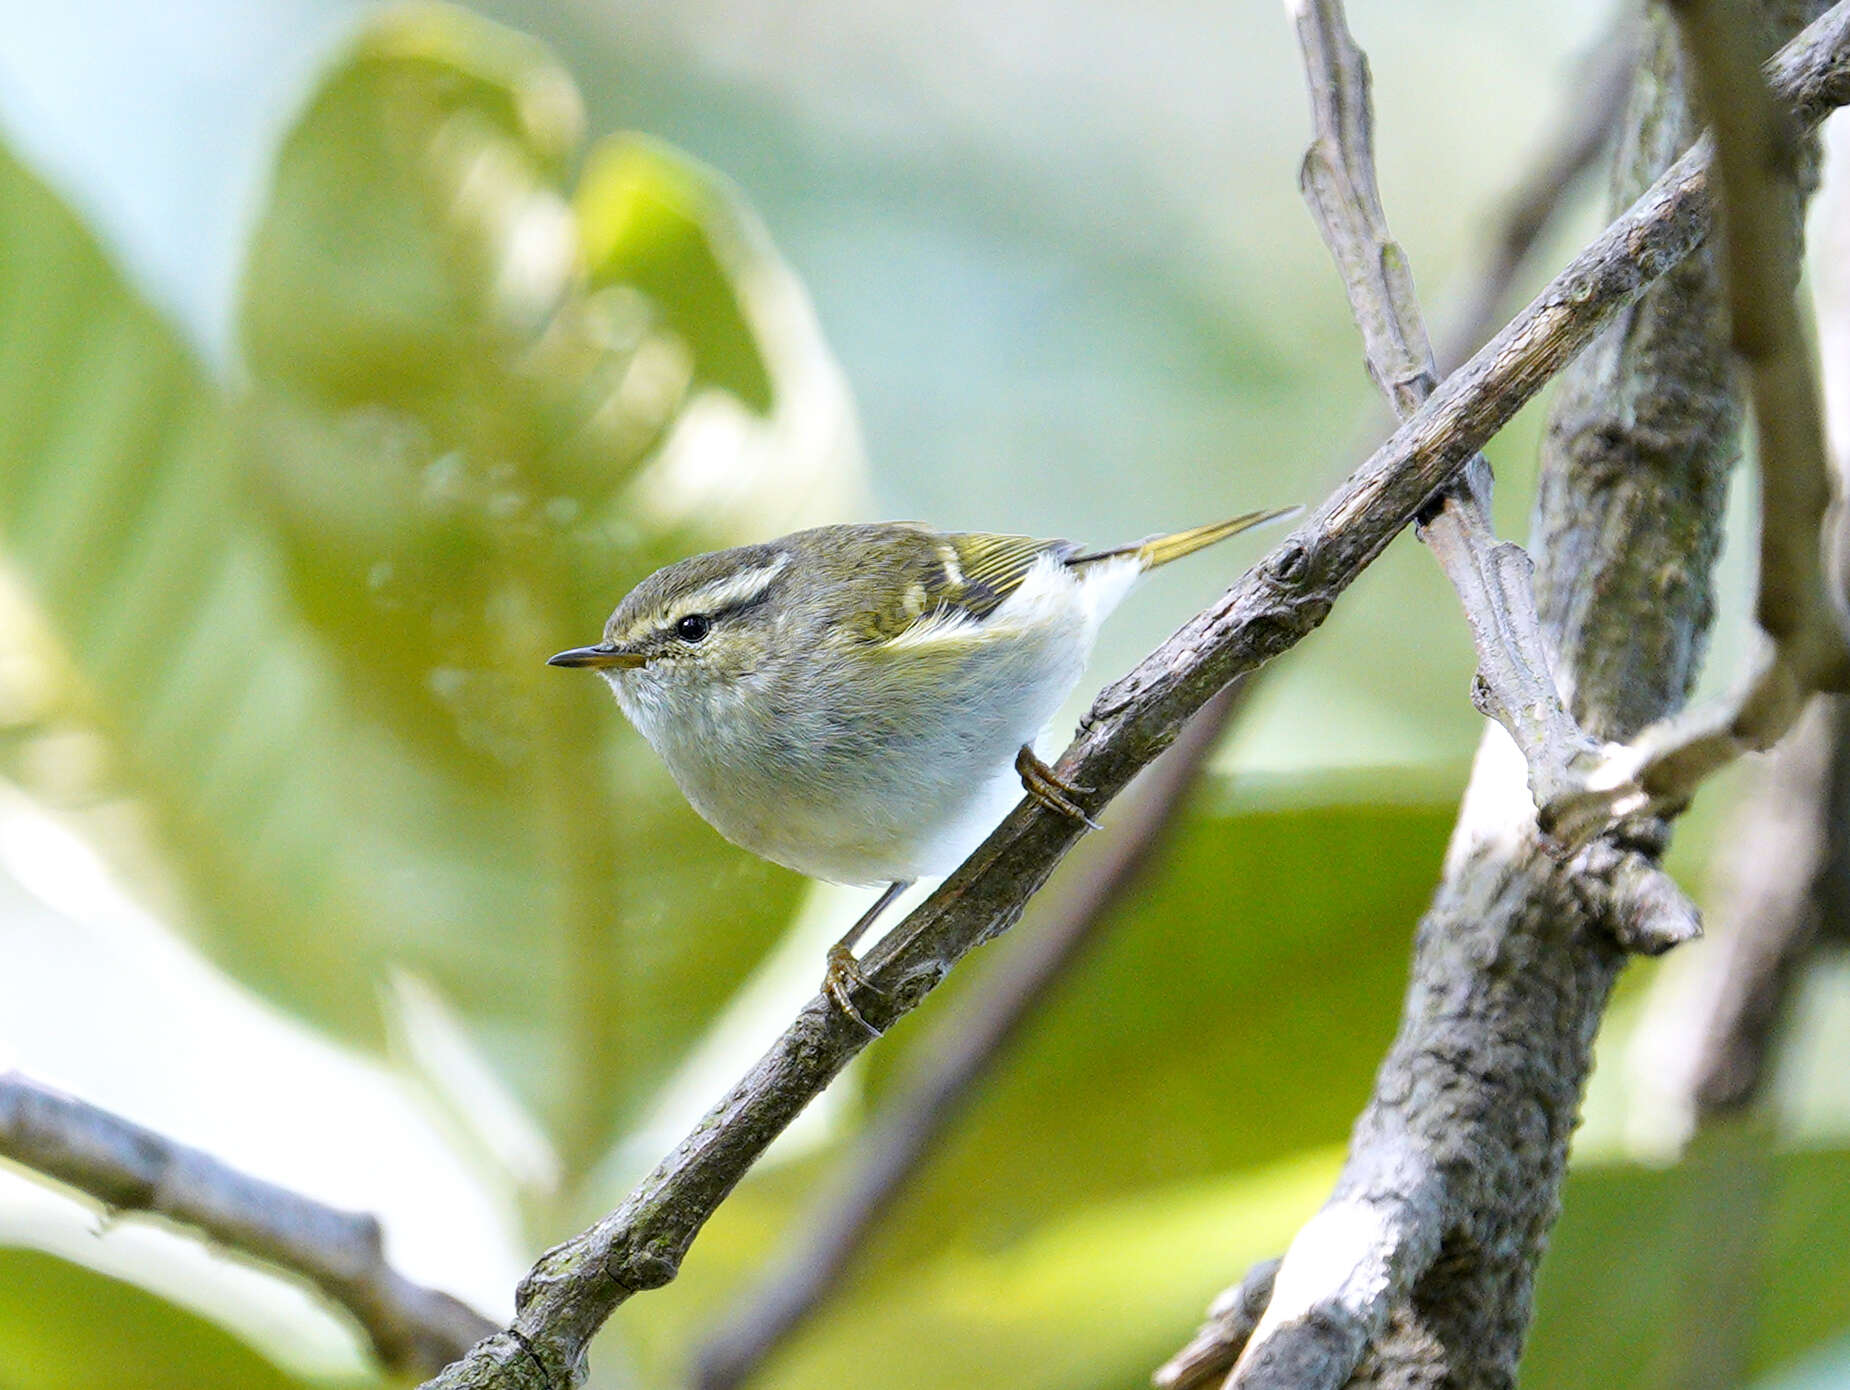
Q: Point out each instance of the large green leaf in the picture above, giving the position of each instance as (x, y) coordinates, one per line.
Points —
(455, 386)
(653, 222)
(1234, 1012)
(311, 619)
(67, 1328)
(1092, 1300)
(457, 493)
(1230, 1019)
(1827, 1368)
(1735, 1248)
(1095, 1297)
(123, 517)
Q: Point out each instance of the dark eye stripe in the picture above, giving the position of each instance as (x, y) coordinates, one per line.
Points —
(712, 617)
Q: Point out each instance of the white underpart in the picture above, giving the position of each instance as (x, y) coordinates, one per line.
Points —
(883, 765)
(1034, 649)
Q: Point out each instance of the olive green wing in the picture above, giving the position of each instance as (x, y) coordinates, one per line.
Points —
(985, 569)
(951, 580)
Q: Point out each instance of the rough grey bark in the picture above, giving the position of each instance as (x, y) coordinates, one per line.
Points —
(1764, 170)
(575, 1286)
(1628, 523)
(1642, 437)
(1419, 1270)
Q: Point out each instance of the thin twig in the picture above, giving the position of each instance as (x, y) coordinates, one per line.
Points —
(130, 1168)
(901, 1136)
(896, 1141)
(1463, 1143)
(1514, 684)
(1784, 890)
(1758, 149)
(849, 1210)
(1788, 833)
(575, 1286)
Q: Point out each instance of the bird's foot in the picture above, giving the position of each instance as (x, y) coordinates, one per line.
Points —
(1051, 789)
(844, 976)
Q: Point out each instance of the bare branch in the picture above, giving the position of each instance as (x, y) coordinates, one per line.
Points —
(341, 1253)
(1759, 152)
(898, 1141)
(894, 1144)
(576, 1285)
(1338, 181)
(1784, 889)
(1463, 1145)
(1787, 836)
(1514, 684)
(902, 1135)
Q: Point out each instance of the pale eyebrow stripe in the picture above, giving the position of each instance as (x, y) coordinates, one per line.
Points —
(734, 591)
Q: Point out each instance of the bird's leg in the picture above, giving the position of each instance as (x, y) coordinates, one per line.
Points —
(1051, 789)
(844, 972)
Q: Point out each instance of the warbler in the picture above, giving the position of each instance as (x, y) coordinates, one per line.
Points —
(857, 702)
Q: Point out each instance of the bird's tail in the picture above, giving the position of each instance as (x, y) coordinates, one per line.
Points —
(1160, 550)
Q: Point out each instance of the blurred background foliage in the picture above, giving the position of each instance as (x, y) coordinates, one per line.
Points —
(355, 359)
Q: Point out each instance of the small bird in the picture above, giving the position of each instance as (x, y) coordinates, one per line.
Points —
(857, 702)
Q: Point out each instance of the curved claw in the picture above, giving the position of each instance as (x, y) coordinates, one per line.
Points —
(1050, 789)
(844, 975)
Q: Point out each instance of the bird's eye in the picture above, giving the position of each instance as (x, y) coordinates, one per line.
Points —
(693, 627)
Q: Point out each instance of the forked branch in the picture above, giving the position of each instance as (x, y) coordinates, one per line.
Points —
(1758, 149)
(575, 1286)
(1514, 683)
(1462, 1146)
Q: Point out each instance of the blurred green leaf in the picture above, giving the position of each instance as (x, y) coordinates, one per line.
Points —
(654, 221)
(312, 621)
(1230, 1021)
(1098, 1295)
(1635, 1275)
(1095, 1299)
(123, 519)
(456, 506)
(67, 1328)
(419, 228)
(1233, 1014)
(1827, 1368)
(455, 385)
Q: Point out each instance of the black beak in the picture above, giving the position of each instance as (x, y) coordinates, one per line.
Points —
(602, 656)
